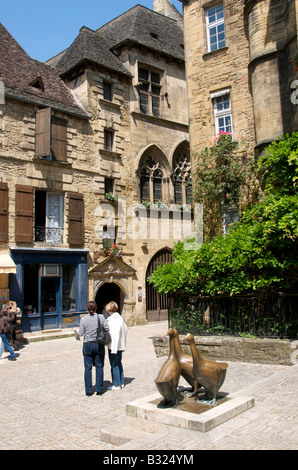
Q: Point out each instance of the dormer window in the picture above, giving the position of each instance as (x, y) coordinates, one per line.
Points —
(37, 83)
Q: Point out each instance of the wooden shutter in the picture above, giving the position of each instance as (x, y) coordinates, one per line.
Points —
(43, 133)
(76, 219)
(3, 212)
(59, 139)
(24, 214)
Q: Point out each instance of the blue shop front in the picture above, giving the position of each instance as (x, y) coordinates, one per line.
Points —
(50, 287)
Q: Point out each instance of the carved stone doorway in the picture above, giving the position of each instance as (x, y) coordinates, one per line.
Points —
(106, 293)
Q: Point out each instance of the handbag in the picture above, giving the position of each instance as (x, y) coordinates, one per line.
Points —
(103, 336)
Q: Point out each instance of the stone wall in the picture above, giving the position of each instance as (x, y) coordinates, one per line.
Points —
(211, 72)
(272, 35)
(223, 348)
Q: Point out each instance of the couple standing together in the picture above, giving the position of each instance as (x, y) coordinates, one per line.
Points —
(94, 353)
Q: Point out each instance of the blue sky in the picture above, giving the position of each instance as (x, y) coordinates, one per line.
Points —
(44, 29)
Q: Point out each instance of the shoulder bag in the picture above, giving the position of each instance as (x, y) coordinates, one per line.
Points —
(103, 336)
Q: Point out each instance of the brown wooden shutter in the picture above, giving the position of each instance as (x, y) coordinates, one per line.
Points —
(76, 219)
(43, 133)
(3, 212)
(24, 214)
(59, 139)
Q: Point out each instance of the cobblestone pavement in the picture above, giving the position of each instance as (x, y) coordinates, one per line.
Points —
(43, 405)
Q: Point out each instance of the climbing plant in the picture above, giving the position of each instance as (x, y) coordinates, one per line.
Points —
(223, 177)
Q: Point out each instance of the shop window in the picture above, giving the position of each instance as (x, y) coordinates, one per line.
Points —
(69, 288)
(31, 288)
(45, 285)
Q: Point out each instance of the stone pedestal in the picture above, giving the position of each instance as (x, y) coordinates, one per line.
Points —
(189, 414)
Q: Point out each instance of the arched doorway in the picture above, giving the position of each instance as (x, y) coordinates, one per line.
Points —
(157, 305)
(106, 293)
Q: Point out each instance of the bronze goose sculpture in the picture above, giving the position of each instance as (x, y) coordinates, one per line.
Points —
(185, 360)
(210, 374)
(168, 376)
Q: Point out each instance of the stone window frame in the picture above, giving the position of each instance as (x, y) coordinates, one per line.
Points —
(109, 136)
(181, 176)
(150, 90)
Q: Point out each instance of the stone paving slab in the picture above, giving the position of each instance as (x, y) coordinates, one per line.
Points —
(43, 405)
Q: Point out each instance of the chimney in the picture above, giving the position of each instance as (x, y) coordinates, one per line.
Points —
(160, 6)
(165, 7)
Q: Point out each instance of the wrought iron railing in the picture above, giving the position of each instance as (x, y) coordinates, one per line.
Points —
(274, 316)
(49, 234)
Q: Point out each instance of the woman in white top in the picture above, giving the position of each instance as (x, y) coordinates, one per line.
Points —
(118, 332)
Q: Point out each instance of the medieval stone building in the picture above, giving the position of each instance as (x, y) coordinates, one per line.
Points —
(240, 70)
(94, 151)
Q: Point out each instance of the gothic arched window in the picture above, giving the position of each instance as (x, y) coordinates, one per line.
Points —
(151, 177)
(181, 177)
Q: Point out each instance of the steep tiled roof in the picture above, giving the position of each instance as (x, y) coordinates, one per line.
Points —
(147, 28)
(92, 47)
(20, 73)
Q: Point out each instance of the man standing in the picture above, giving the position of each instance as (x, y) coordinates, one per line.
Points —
(5, 333)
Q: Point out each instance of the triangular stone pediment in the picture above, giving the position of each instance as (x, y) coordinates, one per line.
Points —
(112, 266)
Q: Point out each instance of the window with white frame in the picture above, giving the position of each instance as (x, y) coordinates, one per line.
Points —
(222, 112)
(215, 23)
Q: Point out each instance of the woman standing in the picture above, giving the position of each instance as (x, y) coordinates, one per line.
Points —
(93, 352)
(118, 332)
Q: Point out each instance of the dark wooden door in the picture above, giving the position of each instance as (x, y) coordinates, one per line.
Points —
(157, 305)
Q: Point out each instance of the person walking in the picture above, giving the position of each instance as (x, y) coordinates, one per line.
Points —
(93, 352)
(118, 332)
(5, 333)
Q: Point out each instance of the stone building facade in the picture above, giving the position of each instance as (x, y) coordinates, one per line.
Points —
(240, 69)
(94, 148)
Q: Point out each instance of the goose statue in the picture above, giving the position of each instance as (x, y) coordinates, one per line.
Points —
(210, 374)
(168, 376)
(185, 360)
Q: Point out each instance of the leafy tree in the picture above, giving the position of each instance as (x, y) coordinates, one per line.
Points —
(261, 251)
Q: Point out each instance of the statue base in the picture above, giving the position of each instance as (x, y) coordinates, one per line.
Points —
(190, 413)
